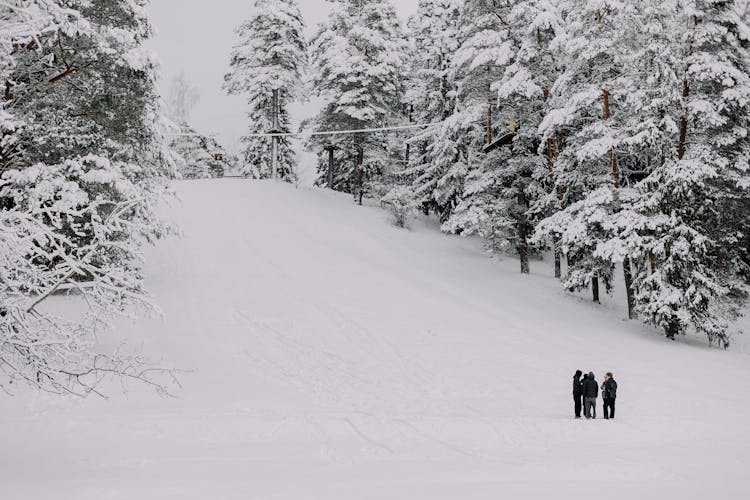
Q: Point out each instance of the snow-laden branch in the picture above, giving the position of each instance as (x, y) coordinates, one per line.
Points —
(100, 260)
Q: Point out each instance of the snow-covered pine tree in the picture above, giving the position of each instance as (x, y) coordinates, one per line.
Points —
(691, 217)
(267, 67)
(680, 135)
(586, 119)
(21, 24)
(195, 159)
(522, 91)
(537, 28)
(198, 153)
(650, 88)
(358, 59)
(71, 82)
(485, 51)
(435, 169)
(79, 198)
(494, 202)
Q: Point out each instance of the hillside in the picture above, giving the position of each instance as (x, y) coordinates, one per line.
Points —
(334, 356)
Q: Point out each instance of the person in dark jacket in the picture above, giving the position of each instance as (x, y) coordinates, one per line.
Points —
(577, 392)
(583, 398)
(609, 394)
(590, 393)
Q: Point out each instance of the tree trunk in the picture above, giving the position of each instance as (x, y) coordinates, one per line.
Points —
(683, 122)
(551, 157)
(550, 164)
(490, 104)
(330, 168)
(360, 175)
(595, 289)
(685, 95)
(523, 226)
(408, 144)
(523, 246)
(275, 138)
(628, 272)
(612, 154)
(627, 269)
(672, 329)
(274, 157)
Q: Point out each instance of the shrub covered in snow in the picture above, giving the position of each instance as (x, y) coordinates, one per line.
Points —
(400, 200)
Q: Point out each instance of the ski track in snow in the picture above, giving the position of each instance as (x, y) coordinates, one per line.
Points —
(335, 356)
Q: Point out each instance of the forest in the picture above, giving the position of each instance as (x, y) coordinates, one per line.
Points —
(608, 137)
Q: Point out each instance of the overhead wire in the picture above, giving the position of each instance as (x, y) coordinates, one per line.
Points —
(329, 132)
(346, 132)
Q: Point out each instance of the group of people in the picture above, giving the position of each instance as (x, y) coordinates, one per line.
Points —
(586, 390)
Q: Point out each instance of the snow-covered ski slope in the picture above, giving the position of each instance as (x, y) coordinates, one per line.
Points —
(335, 356)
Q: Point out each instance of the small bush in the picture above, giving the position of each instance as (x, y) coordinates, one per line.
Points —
(401, 202)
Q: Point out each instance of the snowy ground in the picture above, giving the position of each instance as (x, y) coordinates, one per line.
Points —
(337, 357)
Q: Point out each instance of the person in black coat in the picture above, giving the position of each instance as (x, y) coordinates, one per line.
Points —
(590, 393)
(609, 394)
(577, 393)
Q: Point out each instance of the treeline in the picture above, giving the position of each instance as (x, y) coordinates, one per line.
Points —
(613, 135)
(82, 165)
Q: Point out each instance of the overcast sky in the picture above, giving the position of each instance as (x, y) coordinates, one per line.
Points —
(196, 37)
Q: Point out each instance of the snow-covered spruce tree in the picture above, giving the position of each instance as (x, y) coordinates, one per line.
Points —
(21, 22)
(358, 59)
(537, 29)
(198, 155)
(486, 48)
(450, 152)
(526, 178)
(682, 124)
(692, 213)
(499, 187)
(194, 152)
(435, 169)
(586, 119)
(66, 88)
(71, 83)
(269, 61)
(79, 198)
(646, 108)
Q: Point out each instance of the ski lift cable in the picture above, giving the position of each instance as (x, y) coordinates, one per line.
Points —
(346, 132)
(328, 132)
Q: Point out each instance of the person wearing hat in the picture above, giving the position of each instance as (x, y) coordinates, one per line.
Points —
(577, 393)
(609, 394)
(590, 393)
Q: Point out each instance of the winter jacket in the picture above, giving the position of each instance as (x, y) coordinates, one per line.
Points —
(609, 389)
(577, 386)
(590, 388)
